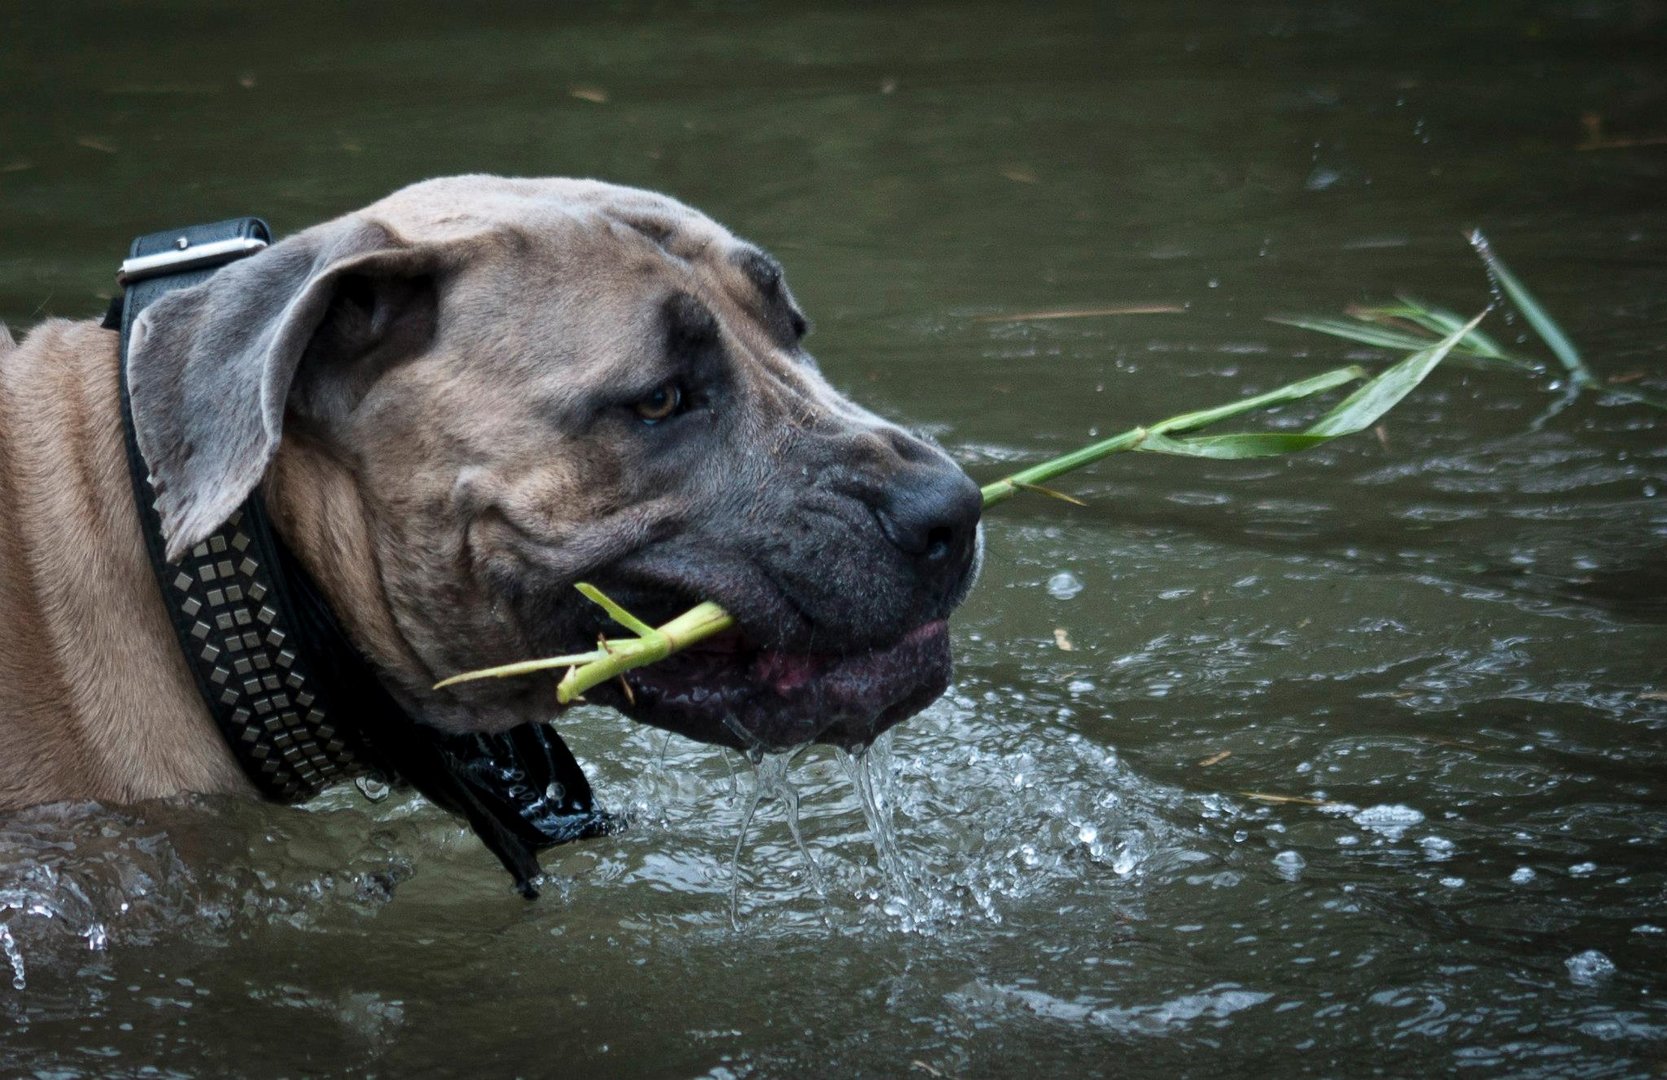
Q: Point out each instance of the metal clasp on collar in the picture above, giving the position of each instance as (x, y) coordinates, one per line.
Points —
(187, 256)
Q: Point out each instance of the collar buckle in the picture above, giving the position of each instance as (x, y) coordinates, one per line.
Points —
(187, 256)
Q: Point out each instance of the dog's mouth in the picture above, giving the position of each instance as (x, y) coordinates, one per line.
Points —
(732, 692)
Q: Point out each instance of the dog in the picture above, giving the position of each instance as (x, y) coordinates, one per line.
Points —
(456, 404)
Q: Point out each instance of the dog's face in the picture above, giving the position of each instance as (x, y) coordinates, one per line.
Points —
(531, 383)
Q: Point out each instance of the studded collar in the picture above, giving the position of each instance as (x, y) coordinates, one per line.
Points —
(299, 706)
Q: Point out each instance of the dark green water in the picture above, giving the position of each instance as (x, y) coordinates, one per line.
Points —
(1452, 636)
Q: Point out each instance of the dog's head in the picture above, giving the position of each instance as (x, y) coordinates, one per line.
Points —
(479, 391)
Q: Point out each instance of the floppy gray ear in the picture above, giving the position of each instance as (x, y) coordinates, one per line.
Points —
(210, 368)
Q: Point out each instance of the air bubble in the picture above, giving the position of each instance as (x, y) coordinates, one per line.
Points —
(1064, 585)
(1589, 967)
(1391, 822)
(1289, 865)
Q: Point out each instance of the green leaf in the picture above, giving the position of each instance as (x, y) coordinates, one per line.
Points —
(1441, 322)
(1252, 444)
(1363, 332)
(1537, 317)
(1283, 395)
(1361, 409)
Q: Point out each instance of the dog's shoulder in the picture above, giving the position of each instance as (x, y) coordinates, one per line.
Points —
(54, 347)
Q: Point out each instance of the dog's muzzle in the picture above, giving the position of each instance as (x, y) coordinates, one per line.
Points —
(734, 690)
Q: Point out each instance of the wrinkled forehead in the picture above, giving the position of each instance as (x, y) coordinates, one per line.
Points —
(600, 245)
(464, 206)
(618, 265)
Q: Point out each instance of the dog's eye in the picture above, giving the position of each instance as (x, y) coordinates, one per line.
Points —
(657, 406)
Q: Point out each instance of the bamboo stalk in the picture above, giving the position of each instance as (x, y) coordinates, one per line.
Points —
(615, 656)
(1008, 486)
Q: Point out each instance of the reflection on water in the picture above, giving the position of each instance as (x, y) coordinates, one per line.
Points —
(1355, 762)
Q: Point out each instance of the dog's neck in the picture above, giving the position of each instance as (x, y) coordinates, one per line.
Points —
(89, 668)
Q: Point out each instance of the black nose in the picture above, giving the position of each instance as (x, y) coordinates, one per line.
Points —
(930, 512)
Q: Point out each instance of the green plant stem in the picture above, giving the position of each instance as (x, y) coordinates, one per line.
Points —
(1008, 486)
(697, 624)
(615, 656)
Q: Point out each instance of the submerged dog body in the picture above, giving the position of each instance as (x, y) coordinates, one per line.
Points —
(456, 403)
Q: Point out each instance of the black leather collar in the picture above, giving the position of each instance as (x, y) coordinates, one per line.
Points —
(297, 703)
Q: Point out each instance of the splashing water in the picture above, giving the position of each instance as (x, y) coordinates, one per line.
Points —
(769, 770)
(1484, 251)
(874, 780)
(8, 946)
(870, 772)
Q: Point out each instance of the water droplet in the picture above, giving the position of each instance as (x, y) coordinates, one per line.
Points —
(1322, 179)
(1390, 822)
(371, 788)
(1289, 865)
(1589, 967)
(8, 947)
(1064, 585)
(555, 792)
(1088, 834)
(1583, 869)
(1522, 875)
(1436, 848)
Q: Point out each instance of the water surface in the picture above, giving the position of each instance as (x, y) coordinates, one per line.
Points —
(1448, 640)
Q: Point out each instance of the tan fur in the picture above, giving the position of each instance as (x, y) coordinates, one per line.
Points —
(95, 698)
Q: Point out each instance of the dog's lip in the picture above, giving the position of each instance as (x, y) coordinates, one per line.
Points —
(730, 691)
